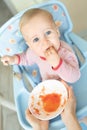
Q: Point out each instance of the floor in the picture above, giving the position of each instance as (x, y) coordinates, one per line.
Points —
(8, 118)
(6, 13)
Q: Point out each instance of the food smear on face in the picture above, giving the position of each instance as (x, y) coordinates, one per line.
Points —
(51, 102)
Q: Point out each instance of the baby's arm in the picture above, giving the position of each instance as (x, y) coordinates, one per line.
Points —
(21, 59)
(69, 69)
(25, 58)
(64, 63)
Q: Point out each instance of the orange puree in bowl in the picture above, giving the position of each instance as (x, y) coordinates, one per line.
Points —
(51, 102)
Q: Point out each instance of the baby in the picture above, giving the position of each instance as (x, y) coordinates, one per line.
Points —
(54, 57)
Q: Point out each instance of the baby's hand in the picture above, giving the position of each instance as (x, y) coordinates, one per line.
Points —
(52, 56)
(8, 60)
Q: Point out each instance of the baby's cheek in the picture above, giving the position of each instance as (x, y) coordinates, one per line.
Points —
(57, 46)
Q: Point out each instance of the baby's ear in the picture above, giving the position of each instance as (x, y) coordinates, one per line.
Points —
(58, 23)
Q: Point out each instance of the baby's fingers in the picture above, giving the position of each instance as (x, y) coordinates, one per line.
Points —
(50, 52)
(5, 60)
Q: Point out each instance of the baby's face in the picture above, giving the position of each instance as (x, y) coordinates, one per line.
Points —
(40, 34)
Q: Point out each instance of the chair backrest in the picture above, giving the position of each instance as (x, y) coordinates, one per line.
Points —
(11, 40)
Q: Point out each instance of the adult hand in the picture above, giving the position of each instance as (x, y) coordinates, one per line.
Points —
(69, 113)
(70, 107)
(36, 123)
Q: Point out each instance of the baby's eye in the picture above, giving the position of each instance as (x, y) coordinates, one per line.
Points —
(36, 39)
(48, 32)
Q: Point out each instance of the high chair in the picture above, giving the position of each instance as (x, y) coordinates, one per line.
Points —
(12, 42)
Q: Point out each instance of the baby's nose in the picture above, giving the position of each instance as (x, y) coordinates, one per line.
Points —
(46, 42)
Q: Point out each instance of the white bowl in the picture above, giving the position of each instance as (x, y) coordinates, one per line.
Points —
(47, 100)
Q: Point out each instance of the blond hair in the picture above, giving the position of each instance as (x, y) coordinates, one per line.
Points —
(31, 13)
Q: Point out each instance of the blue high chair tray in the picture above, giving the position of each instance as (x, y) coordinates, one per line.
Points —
(12, 42)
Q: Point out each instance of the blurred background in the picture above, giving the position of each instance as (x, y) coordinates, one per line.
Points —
(77, 10)
(8, 8)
